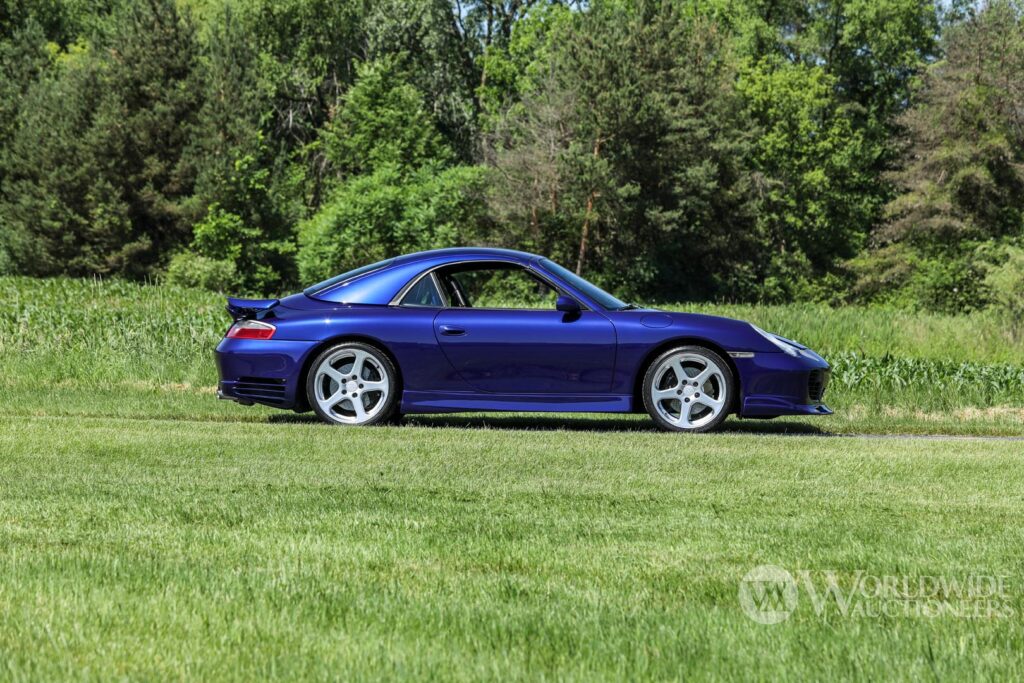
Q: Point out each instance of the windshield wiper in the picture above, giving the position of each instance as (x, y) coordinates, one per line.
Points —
(628, 307)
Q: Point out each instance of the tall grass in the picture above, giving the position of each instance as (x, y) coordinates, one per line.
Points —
(107, 331)
(92, 333)
(978, 337)
(923, 383)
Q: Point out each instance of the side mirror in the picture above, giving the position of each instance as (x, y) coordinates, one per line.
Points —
(566, 304)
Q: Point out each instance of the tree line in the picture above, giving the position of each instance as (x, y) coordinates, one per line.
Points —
(836, 150)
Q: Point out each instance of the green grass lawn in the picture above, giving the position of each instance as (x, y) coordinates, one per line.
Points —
(148, 531)
(169, 549)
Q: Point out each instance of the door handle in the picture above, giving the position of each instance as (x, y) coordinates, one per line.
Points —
(451, 330)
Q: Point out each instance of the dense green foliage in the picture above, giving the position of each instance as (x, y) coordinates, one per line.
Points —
(845, 150)
(953, 235)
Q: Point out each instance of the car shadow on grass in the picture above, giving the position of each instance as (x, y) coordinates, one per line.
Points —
(573, 423)
(594, 424)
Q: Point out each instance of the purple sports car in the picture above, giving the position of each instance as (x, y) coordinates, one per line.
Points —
(474, 329)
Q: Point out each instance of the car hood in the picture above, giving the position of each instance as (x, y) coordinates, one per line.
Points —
(728, 333)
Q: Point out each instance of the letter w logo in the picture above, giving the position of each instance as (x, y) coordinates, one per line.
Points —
(769, 596)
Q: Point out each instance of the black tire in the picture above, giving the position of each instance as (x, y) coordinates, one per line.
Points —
(726, 390)
(387, 413)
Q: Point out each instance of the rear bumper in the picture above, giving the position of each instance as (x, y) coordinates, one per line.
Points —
(268, 372)
(776, 384)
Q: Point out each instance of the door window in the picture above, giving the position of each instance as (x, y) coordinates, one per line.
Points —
(497, 285)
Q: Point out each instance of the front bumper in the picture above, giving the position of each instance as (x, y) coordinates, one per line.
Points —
(268, 372)
(776, 384)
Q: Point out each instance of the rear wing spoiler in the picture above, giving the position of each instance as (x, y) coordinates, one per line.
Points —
(249, 309)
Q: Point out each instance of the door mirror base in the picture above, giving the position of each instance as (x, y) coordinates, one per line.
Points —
(566, 304)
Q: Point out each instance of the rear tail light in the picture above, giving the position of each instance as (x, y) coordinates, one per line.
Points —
(251, 329)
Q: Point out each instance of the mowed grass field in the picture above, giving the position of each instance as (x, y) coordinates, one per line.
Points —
(148, 531)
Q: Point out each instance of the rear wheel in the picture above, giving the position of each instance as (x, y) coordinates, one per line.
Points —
(353, 383)
(688, 389)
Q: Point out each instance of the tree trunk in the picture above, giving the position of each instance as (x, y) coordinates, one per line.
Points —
(585, 230)
(584, 233)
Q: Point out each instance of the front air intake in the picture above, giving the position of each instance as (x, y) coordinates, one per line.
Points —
(816, 383)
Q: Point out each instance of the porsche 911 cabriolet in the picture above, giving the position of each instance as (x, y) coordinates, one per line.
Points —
(475, 329)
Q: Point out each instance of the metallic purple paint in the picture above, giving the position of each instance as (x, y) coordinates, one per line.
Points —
(467, 359)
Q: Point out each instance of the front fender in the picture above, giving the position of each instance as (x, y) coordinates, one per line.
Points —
(642, 333)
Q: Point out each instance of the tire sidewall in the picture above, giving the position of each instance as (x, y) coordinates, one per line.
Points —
(730, 387)
(394, 392)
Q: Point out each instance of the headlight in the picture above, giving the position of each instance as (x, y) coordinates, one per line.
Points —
(783, 346)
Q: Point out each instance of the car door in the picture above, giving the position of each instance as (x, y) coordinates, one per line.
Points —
(509, 348)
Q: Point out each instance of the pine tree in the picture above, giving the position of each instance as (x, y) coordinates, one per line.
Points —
(93, 175)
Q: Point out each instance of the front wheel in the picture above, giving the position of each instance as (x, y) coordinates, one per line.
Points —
(353, 384)
(688, 389)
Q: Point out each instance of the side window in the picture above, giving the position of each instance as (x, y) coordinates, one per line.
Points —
(424, 293)
(497, 285)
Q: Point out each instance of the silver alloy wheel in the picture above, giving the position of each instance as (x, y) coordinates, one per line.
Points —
(689, 390)
(351, 386)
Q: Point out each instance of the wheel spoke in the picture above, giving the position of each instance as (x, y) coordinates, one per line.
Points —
(335, 398)
(332, 373)
(357, 406)
(374, 386)
(713, 403)
(665, 394)
(704, 375)
(684, 414)
(358, 363)
(677, 368)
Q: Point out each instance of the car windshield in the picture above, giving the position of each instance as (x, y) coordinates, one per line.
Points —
(603, 298)
(337, 279)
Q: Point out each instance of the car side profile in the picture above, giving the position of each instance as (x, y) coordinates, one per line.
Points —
(478, 329)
